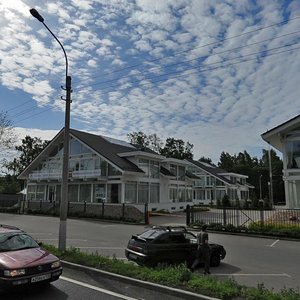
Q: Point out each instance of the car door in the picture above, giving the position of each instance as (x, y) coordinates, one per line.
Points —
(170, 247)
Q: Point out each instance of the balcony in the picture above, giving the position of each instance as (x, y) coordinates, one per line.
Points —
(55, 175)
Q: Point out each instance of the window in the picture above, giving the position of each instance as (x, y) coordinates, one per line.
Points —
(293, 154)
(154, 192)
(173, 170)
(189, 194)
(85, 193)
(85, 149)
(173, 193)
(219, 182)
(87, 164)
(130, 192)
(220, 194)
(144, 165)
(143, 192)
(181, 173)
(154, 169)
(199, 195)
(40, 192)
(103, 167)
(112, 171)
(73, 193)
(181, 194)
(73, 165)
(99, 193)
(31, 192)
(75, 147)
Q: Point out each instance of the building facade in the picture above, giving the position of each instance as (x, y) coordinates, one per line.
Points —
(286, 139)
(211, 184)
(103, 169)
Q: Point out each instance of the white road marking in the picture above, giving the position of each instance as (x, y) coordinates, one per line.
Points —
(245, 274)
(273, 244)
(96, 288)
(67, 240)
(104, 248)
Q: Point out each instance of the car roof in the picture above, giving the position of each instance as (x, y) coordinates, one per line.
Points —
(170, 228)
(8, 228)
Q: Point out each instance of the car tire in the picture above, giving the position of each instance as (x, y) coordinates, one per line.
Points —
(215, 259)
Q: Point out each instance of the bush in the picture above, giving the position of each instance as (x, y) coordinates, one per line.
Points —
(175, 276)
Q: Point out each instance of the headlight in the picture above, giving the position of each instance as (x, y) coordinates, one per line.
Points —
(56, 264)
(13, 273)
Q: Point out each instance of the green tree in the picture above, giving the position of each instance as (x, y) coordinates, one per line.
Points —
(9, 184)
(7, 133)
(205, 160)
(29, 150)
(176, 148)
(151, 141)
(226, 161)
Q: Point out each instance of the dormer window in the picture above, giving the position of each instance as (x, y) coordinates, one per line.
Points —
(293, 154)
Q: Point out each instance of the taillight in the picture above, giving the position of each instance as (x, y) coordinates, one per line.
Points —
(135, 248)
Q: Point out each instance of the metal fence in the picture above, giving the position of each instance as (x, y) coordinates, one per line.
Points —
(9, 200)
(240, 217)
(113, 211)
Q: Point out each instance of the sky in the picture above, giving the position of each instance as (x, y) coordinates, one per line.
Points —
(217, 74)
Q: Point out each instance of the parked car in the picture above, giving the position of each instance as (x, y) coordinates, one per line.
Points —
(168, 245)
(23, 261)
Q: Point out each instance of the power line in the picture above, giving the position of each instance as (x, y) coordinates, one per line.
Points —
(195, 59)
(195, 67)
(45, 110)
(202, 46)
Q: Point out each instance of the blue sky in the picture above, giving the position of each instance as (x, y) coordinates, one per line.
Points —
(215, 73)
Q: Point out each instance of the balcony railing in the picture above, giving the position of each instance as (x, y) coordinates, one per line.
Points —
(42, 175)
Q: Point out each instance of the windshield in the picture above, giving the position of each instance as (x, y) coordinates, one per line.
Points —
(16, 241)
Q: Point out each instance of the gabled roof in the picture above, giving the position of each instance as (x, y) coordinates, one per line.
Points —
(106, 147)
(273, 136)
(213, 170)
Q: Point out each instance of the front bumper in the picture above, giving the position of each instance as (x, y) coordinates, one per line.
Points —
(8, 282)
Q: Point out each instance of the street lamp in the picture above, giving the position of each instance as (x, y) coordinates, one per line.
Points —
(64, 187)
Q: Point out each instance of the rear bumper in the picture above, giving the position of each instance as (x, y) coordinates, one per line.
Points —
(53, 275)
(137, 257)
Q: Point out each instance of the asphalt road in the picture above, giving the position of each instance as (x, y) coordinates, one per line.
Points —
(249, 260)
(81, 285)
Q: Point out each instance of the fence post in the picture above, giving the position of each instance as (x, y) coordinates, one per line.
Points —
(147, 221)
(262, 219)
(40, 205)
(192, 214)
(84, 207)
(188, 215)
(123, 211)
(224, 216)
(102, 209)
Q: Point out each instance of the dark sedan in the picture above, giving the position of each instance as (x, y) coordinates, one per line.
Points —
(168, 245)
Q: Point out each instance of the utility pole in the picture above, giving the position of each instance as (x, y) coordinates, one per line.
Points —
(65, 170)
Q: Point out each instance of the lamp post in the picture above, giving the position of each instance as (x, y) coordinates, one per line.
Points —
(64, 186)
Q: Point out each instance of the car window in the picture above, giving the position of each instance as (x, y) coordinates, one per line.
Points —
(171, 238)
(190, 237)
(151, 234)
(16, 241)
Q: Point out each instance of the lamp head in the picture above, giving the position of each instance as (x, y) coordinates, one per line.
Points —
(35, 13)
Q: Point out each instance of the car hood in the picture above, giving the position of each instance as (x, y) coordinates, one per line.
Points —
(26, 258)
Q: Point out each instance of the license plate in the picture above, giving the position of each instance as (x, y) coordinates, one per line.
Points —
(40, 278)
(132, 256)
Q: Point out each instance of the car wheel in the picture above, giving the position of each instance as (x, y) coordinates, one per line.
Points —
(215, 259)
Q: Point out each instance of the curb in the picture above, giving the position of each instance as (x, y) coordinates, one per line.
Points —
(150, 285)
